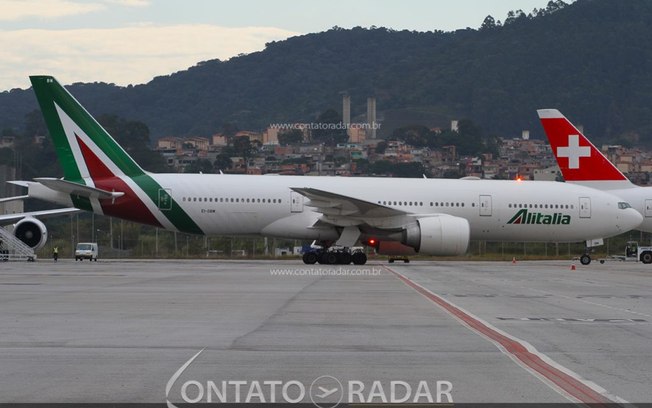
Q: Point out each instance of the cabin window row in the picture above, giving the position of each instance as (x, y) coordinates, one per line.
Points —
(232, 200)
(420, 203)
(546, 206)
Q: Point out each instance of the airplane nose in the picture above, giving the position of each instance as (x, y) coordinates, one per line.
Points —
(631, 219)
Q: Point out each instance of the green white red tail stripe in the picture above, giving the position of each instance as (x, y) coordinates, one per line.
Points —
(90, 156)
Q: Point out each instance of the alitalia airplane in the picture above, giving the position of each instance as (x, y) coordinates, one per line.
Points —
(428, 216)
(581, 163)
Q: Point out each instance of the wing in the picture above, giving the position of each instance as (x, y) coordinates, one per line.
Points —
(329, 203)
(344, 211)
(7, 219)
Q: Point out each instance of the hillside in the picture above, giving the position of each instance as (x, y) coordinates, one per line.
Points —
(591, 59)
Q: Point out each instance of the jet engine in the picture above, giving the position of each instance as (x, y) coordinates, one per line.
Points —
(32, 232)
(443, 235)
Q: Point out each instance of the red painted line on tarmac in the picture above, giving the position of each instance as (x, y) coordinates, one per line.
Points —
(567, 383)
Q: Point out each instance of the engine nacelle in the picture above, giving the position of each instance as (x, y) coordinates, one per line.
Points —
(443, 235)
(32, 232)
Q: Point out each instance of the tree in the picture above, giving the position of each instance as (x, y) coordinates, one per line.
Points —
(36, 160)
(412, 170)
(133, 136)
(223, 162)
(6, 156)
(200, 166)
(242, 147)
(330, 129)
(290, 137)
(488, 23)
(415, 135)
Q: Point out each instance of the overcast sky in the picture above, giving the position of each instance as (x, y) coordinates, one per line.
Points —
(132, 41)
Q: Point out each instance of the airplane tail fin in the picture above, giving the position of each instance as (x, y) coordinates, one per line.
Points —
(84, 148)
(578, 159)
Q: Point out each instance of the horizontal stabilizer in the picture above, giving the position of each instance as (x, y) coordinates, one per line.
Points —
(80, 190)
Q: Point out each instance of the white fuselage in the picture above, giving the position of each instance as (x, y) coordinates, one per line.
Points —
(640, 198)
(267, 205)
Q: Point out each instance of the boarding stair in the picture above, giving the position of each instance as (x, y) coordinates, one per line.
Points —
(13, 249)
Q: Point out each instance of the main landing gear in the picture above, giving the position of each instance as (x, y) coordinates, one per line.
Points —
(334, 256)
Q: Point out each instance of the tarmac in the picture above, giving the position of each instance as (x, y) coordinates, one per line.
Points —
(463, 332)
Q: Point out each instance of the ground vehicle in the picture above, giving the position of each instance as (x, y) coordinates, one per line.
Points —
(86, 250)
(634, 253)
(393, 258)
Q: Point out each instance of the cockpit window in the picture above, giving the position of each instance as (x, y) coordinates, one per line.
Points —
(623, 205)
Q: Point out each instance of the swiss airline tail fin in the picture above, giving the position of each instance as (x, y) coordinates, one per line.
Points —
(85, 149)
(578, 159)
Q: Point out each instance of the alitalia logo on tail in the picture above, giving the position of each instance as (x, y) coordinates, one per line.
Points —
(528, 217)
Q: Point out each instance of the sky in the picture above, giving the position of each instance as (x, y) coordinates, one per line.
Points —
(132, 41)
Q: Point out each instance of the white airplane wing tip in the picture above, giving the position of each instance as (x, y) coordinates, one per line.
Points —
(19, 183)
(549, 114)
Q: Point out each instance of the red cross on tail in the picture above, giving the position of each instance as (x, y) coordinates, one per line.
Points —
(578, 158)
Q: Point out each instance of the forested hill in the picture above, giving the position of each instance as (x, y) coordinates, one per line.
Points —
(591, 59)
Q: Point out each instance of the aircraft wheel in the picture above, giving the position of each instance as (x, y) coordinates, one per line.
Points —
(359, 258)
(330, 258)
(309, 258)
(585, 259)
(344, 258)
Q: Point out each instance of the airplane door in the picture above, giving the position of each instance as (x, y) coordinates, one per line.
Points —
(585, 207)
(164, 199)
(296, 202)
(648, 208)
(485, 205)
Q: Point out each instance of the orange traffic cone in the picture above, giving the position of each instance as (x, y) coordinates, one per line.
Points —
(573, 267)
(514, 260)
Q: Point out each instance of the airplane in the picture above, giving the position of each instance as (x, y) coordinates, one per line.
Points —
(27, 226)
(582, 163)
(394, 215)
